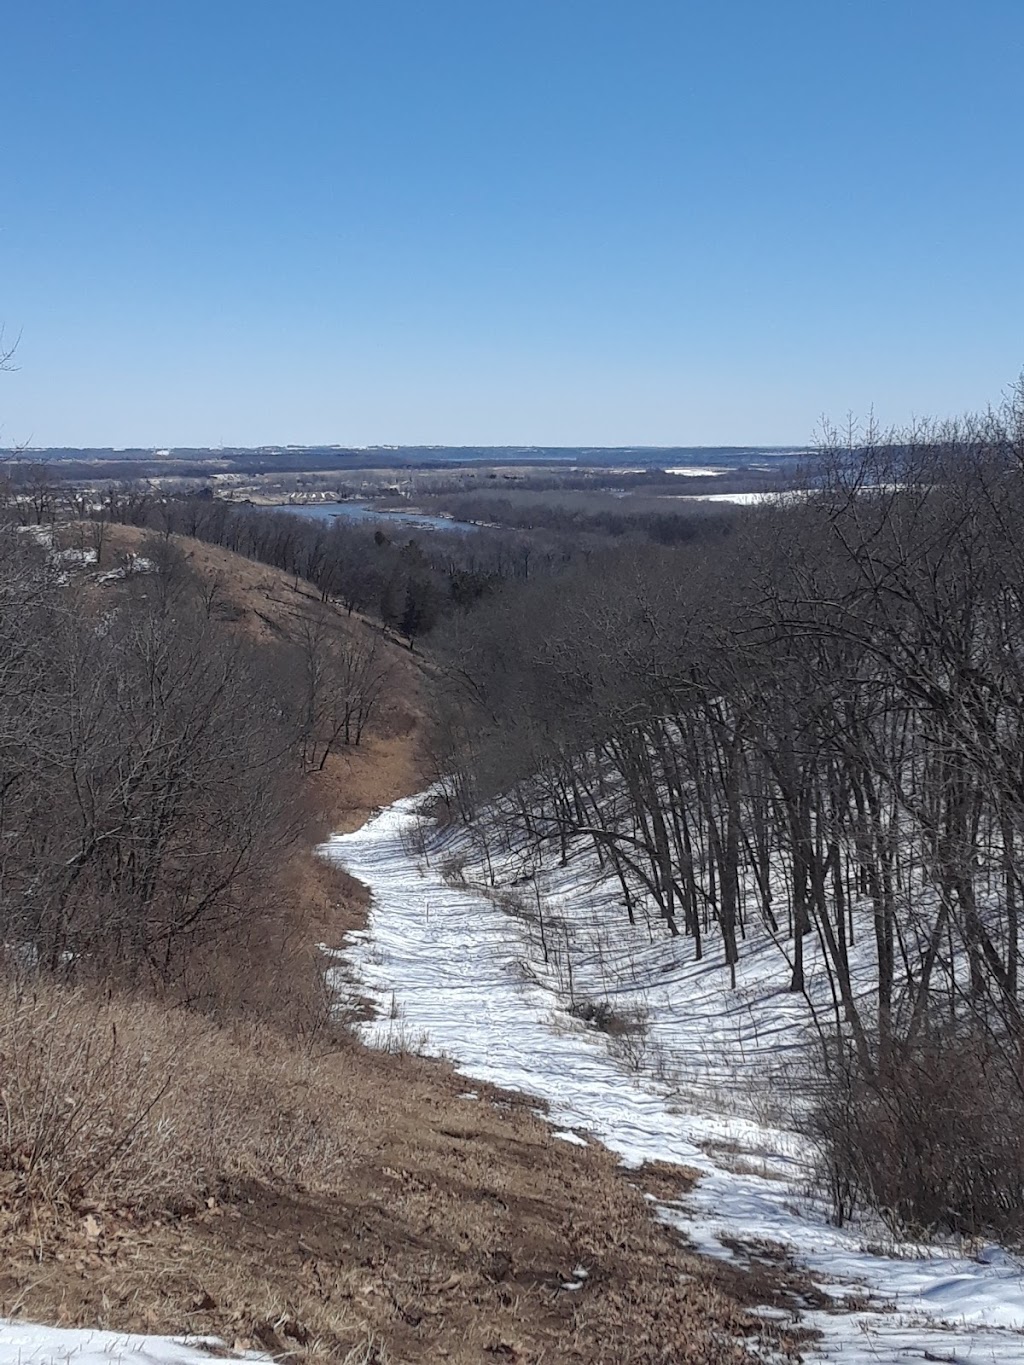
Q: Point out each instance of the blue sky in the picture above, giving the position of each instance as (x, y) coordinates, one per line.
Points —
(537, 221)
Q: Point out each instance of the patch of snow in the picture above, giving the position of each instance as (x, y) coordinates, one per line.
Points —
(42, 535)
(60, 561)
(567, 1135)
(24, 1343)
(465, 976)
(133, 564)
(749, 499)
(75, 559)
(697, 472)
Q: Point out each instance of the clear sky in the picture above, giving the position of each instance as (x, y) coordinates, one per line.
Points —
(490, 221)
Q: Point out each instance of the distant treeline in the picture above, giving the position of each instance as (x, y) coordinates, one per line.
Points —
(575, 511)
(410, 580)
(277, 459)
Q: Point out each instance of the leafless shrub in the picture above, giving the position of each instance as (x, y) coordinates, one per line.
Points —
(453, 869)
(631, 1047)
(513, 903)
(97, 1100)
(930, 1136)
(608, 1018)
(403, 1041)
(229, 611)
(416, 840)
(268, 969)
(76, 1102)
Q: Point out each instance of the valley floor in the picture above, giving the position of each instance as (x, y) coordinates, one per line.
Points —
(454, 975)
(385, 1220)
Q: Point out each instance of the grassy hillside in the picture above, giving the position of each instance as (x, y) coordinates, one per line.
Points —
(265, 605)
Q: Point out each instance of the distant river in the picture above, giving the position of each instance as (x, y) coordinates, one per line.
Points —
(358, 511)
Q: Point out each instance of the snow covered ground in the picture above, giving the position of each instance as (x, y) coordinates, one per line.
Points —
(455, 974)
(84, 557)
(27, 1344)
(696, 471)
(747, 499)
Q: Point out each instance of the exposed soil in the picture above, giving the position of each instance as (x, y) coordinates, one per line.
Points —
(454, 1235)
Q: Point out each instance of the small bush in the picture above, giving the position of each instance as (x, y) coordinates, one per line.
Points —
(933, 1139)
(453, 869)
(631, 1049)
(608, 1018)
(513, 903)
(126, 1100)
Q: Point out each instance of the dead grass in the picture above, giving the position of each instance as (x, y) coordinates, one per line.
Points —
(271, 970)
(96, 1103)
(308, 1205)
(664, 1180)
(361, 779)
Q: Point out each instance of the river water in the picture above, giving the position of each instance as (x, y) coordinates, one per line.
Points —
(360, 512)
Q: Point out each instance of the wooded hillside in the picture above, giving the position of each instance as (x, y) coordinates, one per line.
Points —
(814, 729)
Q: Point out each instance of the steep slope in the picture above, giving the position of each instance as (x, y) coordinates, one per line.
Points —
(687, 1072)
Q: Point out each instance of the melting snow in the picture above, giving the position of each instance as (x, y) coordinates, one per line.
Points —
(461, 974)
(24, 1343)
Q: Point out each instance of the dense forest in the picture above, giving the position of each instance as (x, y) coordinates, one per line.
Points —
(410, 582)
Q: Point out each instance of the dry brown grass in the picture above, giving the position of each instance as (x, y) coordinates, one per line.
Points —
(232, 1183)
(104, 1097)
(268, 968)
(254, 599)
